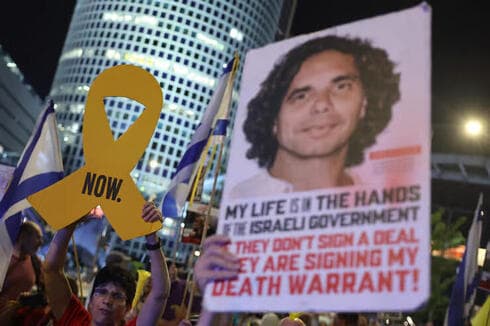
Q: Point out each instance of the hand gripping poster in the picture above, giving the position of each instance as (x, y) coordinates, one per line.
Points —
(327, 191)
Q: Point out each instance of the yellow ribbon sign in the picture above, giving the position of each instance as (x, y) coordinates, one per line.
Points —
(105, 179)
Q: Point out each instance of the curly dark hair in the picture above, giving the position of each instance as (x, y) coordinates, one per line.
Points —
(380, 83)
(118, 276)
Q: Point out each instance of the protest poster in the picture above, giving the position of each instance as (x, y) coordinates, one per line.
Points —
(327, 191)
(104, 179)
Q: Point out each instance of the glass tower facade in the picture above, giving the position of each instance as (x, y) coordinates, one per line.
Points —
(183, 43)
(19, 108)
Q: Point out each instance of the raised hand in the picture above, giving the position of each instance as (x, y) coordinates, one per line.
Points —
(215, 262)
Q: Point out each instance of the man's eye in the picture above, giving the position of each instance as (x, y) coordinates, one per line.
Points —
(343, 86)
(118, 296)
(299, 97)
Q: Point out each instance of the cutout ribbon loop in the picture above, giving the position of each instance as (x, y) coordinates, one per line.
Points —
(104, 179)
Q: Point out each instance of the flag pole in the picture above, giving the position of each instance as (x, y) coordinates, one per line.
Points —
(210, 140)
(188, 283)
(221, 149)
(197, 175)
(209, 206)
(220, 153)
(191, 299)
(213, 192)
(77, 263)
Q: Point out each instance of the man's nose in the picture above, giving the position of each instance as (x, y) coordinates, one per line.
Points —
(322, 103)
(108, 300)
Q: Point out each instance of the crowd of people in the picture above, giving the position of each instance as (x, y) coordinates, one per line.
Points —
(39, 293)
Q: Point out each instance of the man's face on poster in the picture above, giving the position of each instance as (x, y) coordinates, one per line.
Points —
(322, 107)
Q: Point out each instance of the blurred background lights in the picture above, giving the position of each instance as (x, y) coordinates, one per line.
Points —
(473, 127)
(154, 164)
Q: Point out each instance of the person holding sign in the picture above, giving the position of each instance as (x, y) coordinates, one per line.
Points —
(215, 264)
(113, 288)
(319, 108)
(24, 268)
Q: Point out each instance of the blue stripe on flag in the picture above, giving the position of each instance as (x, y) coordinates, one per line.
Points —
(191, 155)
(456, 305)
(472, 286)
(220, 128)
(31, 186)
(228, 67)
(169, 206)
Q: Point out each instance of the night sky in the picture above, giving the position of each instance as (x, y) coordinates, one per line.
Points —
(33, 33)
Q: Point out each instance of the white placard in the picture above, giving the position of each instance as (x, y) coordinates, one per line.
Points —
(354, 236)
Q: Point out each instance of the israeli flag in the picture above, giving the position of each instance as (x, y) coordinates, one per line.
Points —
(464, 289)
(221, 121)
(174, 199)
(39, 167)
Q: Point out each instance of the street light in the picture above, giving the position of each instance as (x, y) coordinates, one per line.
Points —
(473, 128)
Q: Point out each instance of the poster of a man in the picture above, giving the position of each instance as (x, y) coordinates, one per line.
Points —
(320, 107)
(327, 189)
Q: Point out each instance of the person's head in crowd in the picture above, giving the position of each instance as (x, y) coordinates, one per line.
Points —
(112, 294)
(306, 318)
(250, 319)
(118, 258)
(270, 319)
(362, 89)
(182, 274)
(291, 322)
(173, 270)
(30, 238)
(346, 319)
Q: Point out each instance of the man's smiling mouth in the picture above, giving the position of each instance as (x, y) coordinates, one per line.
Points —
(318, 130)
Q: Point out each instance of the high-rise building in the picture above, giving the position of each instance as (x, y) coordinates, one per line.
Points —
(19, 108)
(183, 43)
